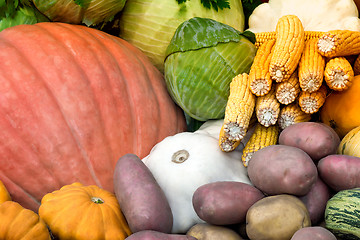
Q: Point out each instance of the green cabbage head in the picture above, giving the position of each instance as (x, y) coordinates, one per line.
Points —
(201, 60)
(150, 24)
(89, 12)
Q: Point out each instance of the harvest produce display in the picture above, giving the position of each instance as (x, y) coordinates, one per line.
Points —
(180, 119)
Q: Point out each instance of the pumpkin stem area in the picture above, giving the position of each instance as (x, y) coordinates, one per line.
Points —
(97, 200)
(332, 124)
(180, 156)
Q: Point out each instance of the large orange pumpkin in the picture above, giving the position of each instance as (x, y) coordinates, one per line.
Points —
(341, 109)
(73, 100)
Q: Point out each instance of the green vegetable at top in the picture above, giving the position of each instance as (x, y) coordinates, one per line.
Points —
(202, 58)
(215, 4)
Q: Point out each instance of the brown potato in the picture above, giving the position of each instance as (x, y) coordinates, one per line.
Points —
(316, 139)
(340, 172)
(141, 199)
(315, 201)
(276, 218)
(205, 231)
(313, 233)
(155, 235)
(224, 203)
(279, 169)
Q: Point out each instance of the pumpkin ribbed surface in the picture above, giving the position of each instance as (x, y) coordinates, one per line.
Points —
(83, 212)
(18, 223)
(73, 100)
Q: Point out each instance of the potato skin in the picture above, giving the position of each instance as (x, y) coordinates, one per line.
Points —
(155, 235)
(276, 217)
(224, 203)
(282, 169)
(315, 201)
(315, 138)
(313, 233)
(141, 199)
(340, 172)
(205, 231)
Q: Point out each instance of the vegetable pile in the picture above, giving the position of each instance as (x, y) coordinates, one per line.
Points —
(180, 119)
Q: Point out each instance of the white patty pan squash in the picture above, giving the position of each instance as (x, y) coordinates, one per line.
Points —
(183, 162)
(315, 15)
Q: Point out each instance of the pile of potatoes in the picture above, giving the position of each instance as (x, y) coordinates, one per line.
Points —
(292, 182)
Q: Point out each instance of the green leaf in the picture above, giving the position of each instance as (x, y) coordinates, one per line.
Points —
(197, 33)
(249, 35)
(82, 3)
(7, 8)
(215, 4)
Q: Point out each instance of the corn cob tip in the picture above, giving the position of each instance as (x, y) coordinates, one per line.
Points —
(227, 145)
(286, 95)
(233, 131)
(339, 80)
(246, 158)
(286, 120)
(326, 43)
(277, 74)
(260, 87)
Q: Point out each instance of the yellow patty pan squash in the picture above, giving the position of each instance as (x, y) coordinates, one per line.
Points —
(80, 212)
(4, 194)
(19, 223)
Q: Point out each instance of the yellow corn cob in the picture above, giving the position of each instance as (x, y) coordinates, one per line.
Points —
(290, 41)
(259, 76)
(225, 144)
(239, 108)
(291, 114)
(287, 91)
(312, 102)
(311, 67)
(339, 73)
(262, 37)
(356, 67)
(261, 137)
(338, 43)
(267, 109)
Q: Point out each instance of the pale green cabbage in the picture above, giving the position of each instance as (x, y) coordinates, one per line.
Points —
(150, 24)
(89, 12)
(203, 57)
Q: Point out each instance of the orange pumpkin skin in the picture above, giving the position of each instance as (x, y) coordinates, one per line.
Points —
(83, 212)
(4, 193)
(18, 223)
(341, 110)
(72, 101)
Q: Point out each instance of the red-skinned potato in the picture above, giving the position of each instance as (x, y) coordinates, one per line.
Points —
(316, 139)
(315, 201)
(313, 233)
(155, 235)
(224, 203)
(141, 199)
(340, 172)
(278, 169)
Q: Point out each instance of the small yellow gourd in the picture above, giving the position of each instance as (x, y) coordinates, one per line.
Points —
(4, 194)
(349, 145)
(81, 212)
(18, 223)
